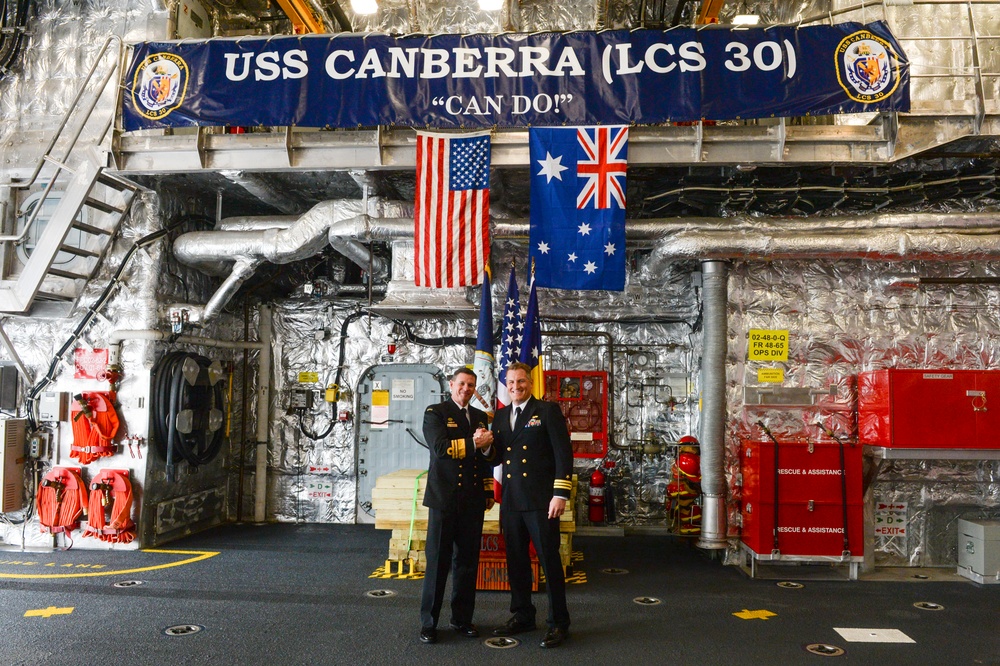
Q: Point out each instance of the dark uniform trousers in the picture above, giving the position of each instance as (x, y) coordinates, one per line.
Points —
(519, 527)
(537, 458)
(458, 482)
(464, 529)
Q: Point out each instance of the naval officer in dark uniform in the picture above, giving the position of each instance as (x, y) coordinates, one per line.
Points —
(532, 441)
(459, 491)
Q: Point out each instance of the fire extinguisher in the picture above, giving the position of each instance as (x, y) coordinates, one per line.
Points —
(596, 498)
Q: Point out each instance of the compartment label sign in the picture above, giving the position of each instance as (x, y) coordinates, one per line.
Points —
(767, 345)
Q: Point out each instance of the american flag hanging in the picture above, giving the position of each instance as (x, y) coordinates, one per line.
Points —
(511, 331)
(451, 216)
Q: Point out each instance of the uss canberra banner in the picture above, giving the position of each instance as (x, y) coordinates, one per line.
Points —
(517, 80)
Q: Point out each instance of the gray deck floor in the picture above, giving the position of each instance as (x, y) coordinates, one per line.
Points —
(296, 594)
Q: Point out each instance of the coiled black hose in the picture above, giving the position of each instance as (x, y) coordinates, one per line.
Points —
(171, 395)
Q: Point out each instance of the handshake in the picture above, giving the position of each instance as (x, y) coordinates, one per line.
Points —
(483, 438)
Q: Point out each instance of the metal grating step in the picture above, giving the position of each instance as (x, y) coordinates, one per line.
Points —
(68, 275)
(91, 229)
(50, 296)
(78, 251)
(103, 206)
(117, 183)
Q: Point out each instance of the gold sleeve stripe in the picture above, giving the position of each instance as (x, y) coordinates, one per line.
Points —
(457, 449)
(565, 485)
(487, 484)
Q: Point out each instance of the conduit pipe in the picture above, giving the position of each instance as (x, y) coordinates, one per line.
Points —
(715, 309)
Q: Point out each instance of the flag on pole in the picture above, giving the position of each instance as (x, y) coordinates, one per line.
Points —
(577, 235)
(452, 205)
(511, 330)
(531, 345)
(484, 365)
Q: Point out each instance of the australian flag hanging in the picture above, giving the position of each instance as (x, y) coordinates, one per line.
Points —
(578, 206)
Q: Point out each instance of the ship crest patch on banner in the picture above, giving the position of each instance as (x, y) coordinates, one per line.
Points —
(160, 85)
(867, 67)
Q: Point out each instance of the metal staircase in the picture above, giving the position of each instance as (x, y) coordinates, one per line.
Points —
(58, 267)
(91, 187)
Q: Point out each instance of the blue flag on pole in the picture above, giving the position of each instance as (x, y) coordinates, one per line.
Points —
(531, 345)
(483, 365)
(577, 237)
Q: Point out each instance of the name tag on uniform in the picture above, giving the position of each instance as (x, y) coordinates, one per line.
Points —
(451, 423)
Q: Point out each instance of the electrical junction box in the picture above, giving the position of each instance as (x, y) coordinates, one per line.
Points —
(12, 464)
(53, 406)
(979, 550)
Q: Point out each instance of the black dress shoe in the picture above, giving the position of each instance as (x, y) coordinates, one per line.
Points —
(429, 635)
(514, 626)
(467, 630)
(554, 638)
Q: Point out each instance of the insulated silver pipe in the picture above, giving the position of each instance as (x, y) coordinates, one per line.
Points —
(281, 240)
(715, 296)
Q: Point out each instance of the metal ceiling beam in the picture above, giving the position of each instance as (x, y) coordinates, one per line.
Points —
(888, 138)
(304, 19)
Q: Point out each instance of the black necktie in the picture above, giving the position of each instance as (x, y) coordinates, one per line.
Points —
(517, 415)
(465, 412)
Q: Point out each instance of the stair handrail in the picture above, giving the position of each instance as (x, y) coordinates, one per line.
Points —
(61, 163)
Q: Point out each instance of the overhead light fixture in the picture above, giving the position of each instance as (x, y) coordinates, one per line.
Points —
(364, 7)
(746, 19)
(490, 5)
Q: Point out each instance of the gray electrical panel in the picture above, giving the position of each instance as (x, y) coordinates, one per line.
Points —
(391, 404)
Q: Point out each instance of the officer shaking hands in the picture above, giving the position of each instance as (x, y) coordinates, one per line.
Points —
(459, 491)
(532, 442)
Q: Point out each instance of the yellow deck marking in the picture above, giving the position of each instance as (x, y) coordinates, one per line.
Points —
(199, 555)
(755, 614)
(48, 612)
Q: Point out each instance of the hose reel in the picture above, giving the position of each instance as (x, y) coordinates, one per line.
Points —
(187, 409)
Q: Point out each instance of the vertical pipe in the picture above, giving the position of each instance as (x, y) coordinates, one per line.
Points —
(244, 413)
(715, 307)
(263, 414)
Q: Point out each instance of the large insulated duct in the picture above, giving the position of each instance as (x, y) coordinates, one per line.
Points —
(892, 237)
(308, 235)
(715, 300)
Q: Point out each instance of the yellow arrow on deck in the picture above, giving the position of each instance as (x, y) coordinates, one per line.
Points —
(755, 614)
(49, 612)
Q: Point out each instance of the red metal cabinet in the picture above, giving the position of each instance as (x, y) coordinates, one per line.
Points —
(804, 529)
(806, 471)
(929, 409)
(810, 498)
